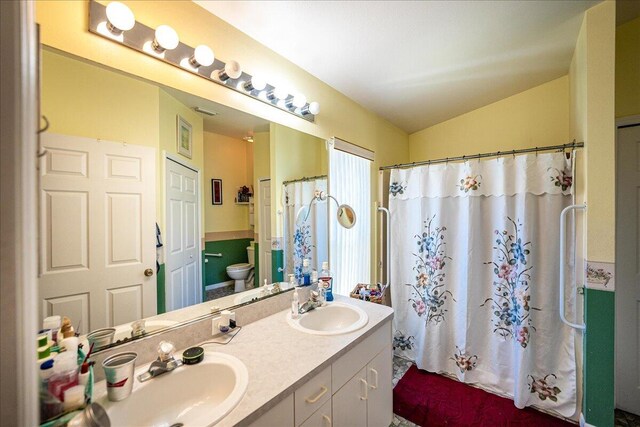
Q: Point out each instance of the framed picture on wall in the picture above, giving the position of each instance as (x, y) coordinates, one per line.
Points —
(184, 137)
(216, 191)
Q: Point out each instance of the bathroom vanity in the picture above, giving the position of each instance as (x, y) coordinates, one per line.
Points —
(295, 378)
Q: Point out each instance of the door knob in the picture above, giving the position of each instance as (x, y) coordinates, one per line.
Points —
(148, 272)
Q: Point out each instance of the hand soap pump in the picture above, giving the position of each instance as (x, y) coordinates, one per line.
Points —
(295, 304)
(325, 276)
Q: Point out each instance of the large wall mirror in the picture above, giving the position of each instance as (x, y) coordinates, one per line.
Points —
(162, 206)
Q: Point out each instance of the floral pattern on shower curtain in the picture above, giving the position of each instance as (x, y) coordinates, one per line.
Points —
(304, 239)
(475, 273)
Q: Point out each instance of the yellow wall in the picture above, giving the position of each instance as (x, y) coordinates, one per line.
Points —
(596, 72)
(82, 99)
(628, 69)
(536, 117)
(227, 159)
(169, 108)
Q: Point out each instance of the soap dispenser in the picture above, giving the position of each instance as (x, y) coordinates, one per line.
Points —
(295, 304)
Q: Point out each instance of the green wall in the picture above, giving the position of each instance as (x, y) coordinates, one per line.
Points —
(233, 252)
(599, 347)
(277, 261)
(160, 287)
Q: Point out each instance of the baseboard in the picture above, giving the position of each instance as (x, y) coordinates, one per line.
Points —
(219, 285)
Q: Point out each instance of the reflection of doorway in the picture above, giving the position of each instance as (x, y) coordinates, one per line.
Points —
(97, 231)
(183, 286)
(627, 280)
(265, 230)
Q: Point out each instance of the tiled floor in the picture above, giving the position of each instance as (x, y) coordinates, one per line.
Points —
(400, 366)
(625, 419)
(219, 292)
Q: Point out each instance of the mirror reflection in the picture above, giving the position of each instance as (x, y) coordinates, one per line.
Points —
(157, 206)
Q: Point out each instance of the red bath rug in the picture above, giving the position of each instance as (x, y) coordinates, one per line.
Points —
(432, 400)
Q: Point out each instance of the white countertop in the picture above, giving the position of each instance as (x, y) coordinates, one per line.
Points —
(279, 358)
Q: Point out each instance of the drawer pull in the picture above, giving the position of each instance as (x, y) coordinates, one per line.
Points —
(327, 419)
(323, 391)
(376, 379)
(366, 389)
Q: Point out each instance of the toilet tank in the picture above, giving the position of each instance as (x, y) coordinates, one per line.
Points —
(250, 255)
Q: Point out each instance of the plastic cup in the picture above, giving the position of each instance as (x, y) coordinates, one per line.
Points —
(119, 372)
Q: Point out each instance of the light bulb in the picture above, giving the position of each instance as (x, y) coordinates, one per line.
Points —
(231, 70)
(313, 108)
(278, 92)
(119, 17)
(202, 57)
(299, 100)
(256, 83)
(166, 39)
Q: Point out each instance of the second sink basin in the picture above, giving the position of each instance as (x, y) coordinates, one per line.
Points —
(333, 319)
(192, 395)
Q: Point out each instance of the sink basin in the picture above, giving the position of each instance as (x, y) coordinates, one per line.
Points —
(191, 395)
(333, 319)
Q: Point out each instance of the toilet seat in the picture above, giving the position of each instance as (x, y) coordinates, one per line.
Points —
(239, 267)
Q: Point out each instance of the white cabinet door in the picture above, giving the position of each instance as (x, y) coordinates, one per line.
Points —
(280, 415)
(380, 403)
(350, 402)
(320, 418)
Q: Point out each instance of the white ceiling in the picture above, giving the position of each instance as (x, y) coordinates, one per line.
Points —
(417, 63)
(227, 121)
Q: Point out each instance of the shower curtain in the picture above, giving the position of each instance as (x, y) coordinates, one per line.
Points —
(306, 239)
(475, 270)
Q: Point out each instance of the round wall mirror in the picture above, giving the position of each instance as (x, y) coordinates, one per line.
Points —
(346, 216)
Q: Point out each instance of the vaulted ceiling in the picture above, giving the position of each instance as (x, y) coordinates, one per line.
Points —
(417, 63)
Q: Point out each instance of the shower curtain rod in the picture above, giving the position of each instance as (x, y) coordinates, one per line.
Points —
(303, 179)
(562, 147)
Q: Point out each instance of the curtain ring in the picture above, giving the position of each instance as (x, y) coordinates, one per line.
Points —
(536, 151)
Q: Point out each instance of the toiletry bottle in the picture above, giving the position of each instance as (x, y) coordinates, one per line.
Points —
(322, 293)
(295, 304)
(325, 276)
(292, 281)
(306, 273)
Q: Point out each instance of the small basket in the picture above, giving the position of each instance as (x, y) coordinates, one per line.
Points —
(378, 296)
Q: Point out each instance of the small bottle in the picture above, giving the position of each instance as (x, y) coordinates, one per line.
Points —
(306, 272)
(295, 304)
(292, 281)
(322, 293)
(265, 288)
(325, 276)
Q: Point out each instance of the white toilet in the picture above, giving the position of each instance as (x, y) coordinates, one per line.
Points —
(242, 273)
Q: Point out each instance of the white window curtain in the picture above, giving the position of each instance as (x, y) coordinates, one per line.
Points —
(304, 239)
(350, 249)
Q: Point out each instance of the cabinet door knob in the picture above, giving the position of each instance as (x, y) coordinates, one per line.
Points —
(327, 420)
(148, 272)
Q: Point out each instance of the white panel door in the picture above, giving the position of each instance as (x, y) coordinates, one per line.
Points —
(379, 379)
(265, 230)
(350, 402)
(97, 231)
(628, 271)
(183, 286)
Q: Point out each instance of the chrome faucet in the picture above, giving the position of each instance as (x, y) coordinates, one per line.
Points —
(313, 303)
(165, 362)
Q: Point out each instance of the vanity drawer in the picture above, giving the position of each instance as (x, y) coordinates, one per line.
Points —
(349, 364)
(320, 418)
(311, 396)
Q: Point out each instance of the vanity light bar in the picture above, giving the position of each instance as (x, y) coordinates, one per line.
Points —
(159, 43)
